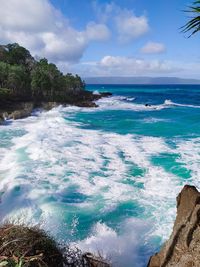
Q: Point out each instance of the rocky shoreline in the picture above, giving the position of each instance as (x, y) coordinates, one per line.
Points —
(183, 247)
(19, 110)
(181, 250)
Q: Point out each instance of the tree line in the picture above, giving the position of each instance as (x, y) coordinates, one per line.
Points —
(23, 77)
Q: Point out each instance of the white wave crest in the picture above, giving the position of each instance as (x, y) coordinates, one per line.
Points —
(123, 249)
(171, 103)
(54, 155)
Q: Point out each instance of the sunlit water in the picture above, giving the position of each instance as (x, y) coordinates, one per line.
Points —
(104, 179)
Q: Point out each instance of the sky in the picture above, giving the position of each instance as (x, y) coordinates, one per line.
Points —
(105, 38)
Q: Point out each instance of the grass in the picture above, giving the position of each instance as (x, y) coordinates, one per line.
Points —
(28, 247)
(21, 246)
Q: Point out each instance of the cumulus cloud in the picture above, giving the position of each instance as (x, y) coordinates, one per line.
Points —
(128, 66)
(128, 25)
(153, 48)
(97, 32)
(37, 25)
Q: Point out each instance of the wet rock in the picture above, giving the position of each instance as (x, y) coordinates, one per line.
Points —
(1, 119)
(48, 105)
(93, 261)
(183, 247)
(25, 110)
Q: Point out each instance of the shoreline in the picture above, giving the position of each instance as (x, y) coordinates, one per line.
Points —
(20, 110)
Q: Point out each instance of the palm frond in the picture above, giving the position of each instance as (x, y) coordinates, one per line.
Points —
(193, 25)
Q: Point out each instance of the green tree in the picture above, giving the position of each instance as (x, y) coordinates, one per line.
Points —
(18, 80)
(40, 81)
(23, 76)
(4, 70)
(193, 24)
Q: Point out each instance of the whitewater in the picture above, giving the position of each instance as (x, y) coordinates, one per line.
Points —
(104, 179)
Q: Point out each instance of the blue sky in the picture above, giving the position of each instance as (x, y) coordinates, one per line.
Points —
(105, 38)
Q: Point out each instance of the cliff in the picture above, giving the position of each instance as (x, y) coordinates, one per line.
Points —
(183, 247)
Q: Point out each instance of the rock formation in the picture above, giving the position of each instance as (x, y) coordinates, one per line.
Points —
(183, 247)
(21, 110)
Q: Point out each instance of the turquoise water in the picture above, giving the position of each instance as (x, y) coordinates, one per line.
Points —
(104, 179)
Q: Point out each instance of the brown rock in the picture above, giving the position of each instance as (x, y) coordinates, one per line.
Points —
(24, 111)
(92, 261)
(48, 105)
(183, 247)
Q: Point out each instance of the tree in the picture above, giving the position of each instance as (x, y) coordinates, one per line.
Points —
(193, 24)
(18, 80)
(27, 78)
(4, 70)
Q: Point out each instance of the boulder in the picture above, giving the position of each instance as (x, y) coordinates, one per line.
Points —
(183, 247)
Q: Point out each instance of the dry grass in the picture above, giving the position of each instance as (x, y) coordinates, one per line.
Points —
(28, 247)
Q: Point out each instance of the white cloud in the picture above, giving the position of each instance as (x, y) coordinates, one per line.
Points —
(130, 26)
(153, 48)
(38, 26)
(133, 66)
(128, 66)
(98, 32)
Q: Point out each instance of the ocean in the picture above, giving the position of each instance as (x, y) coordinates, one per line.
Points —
(104, 179)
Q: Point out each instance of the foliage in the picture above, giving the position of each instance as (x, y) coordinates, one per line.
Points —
(193, 24)
(30, 79)
(27, 247)
(21, 246)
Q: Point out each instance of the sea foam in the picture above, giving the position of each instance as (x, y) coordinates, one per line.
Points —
(55, 172)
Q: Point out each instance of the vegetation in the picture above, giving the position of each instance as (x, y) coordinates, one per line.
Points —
(21, 246)
(193, 25)
(24, 78)
(30, 247)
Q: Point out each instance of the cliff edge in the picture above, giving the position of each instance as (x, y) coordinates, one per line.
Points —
(183, 247)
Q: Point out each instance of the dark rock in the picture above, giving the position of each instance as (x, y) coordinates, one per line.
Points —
(93, 261)
(1, 119)
(48, 105)
(183, 247)
(18, 110)
(24, 111)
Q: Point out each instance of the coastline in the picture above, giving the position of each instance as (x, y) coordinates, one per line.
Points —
(20, 110)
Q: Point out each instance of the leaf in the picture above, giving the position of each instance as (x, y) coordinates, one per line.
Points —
(194, 23)
(3, 263)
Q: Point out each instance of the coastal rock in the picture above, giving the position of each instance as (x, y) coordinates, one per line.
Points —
(1, 120)
(48, 105)
(183, 247)
(19, 110)
(24, 111)
(93, 261)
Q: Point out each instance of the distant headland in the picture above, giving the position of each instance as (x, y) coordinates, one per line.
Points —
(140, 80)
